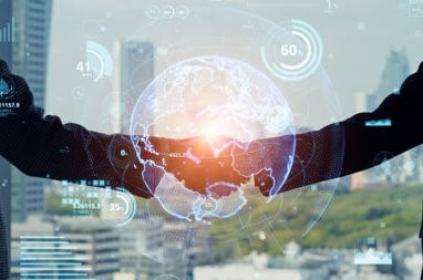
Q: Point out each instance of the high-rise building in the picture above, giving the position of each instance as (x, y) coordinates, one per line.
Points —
(193, 238)
(141, 243)
(97, 243)
(34, 226)
(406, 167)
(396, 70)
(414, 165)
(137, 71)
(30, 52)
(147, 253)
(5, 169)
(67, 248)
(361, 101)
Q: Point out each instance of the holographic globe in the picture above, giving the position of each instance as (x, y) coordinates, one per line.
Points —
(228, 103)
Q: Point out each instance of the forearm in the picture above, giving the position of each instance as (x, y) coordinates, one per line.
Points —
(318, 157)
(47, 148)
(351, 146)
(44, 147)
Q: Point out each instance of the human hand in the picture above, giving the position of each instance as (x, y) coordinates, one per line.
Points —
(203, 165)
(16, 98)
(268, 161)
(200, 163)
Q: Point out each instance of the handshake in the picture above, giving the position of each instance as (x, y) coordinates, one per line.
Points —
(213, 166)
(210, 165)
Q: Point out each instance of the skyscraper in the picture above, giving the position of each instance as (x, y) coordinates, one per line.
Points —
(30, 53)
(5, 54)
(66, 248)
(141, 248)
(137, 71)
(396, 70)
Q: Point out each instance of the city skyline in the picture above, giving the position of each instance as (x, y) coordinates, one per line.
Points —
(154, 245)
(349, 73)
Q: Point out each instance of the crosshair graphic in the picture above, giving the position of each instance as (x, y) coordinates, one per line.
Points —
(118, 207)
(294, 56)
(98, 62)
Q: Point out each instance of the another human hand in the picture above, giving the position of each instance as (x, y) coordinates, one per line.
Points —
(199, 163)
(16, 98)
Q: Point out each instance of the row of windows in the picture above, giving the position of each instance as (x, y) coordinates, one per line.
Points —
(38, 45)
(36, 86)
(36, 73)
(39, 21)
(107, 250)
(36, 36)
(38, 28)
(38, 2)
(40, 59)
(106, 272)
(38, 91)
(108, 260)
(33, 76)
(34, 10)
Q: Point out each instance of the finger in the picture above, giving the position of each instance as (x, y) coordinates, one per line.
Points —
(420, 68)
(4, 68)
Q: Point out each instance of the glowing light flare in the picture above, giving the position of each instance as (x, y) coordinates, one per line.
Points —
(217, 104)
(211, 132)
(215, 138)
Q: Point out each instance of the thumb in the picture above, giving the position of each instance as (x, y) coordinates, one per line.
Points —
(4, 68)
(6, 82)
(420, 68)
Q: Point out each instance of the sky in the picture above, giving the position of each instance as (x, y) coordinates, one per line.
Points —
(357, 37)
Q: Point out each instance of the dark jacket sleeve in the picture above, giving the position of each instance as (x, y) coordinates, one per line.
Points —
(45, 147)
(351, 146)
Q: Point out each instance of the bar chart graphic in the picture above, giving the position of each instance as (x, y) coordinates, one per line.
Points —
(6, 32)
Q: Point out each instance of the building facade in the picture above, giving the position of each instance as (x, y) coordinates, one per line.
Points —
(32, 20)
(137, 71)
(64, 248)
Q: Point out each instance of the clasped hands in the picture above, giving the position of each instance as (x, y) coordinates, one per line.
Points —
(200, 163)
